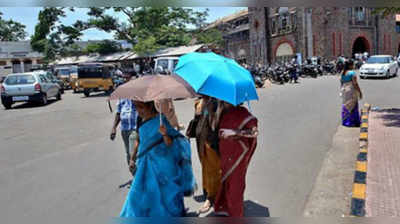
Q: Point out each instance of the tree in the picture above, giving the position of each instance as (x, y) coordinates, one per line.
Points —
(51, 38)
(386, 11)
(211, 36)
(147, 26)
(104, 47)
(11, 30)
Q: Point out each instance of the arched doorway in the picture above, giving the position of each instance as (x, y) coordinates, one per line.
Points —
(27, 65)
(16, 67)
(360, 45)
(284, 52)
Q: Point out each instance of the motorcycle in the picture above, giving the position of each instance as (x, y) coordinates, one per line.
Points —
(311, 70)
(255, 73)
(329, 68)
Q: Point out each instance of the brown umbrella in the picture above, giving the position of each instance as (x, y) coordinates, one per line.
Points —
(154, 87)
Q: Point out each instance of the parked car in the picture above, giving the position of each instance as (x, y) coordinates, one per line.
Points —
(53, 78)
(379, 66)
(28, 87)
(165, 65)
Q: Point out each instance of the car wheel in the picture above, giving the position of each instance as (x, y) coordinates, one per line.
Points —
(109, 91)
(58, 97)
(44, 99)
(74, 91)
(388, 74)
(86, 93)
(7, 106)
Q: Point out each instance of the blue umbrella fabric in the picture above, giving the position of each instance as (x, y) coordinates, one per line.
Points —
(217, 76)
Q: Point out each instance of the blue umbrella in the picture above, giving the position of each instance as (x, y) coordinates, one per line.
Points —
(216, 76)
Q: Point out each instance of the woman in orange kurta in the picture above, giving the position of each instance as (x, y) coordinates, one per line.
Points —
(207, 111)
(237, 143)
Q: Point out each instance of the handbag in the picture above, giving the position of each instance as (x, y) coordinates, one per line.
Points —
(191, 130)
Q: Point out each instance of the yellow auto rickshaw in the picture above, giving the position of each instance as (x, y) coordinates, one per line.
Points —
(94, 77)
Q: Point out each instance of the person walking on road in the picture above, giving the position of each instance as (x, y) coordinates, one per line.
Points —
(238, 131)
(350, 93)
(207, 114)
(164, 172)
(126, 115)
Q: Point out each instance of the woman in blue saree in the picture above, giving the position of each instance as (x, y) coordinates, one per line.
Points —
(351, 93)
(164, 171)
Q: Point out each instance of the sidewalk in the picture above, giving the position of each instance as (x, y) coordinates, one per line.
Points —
(383, 177)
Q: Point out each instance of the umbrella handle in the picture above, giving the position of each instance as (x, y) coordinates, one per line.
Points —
(161, 119)
(109, 106)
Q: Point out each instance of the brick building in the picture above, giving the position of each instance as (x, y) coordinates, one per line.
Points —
(279, 33)
(235, 31)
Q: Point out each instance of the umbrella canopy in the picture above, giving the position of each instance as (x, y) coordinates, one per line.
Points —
(154, 87)
(216, 76)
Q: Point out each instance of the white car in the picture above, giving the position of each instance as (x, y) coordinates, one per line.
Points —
(28, 87)
(379, 66)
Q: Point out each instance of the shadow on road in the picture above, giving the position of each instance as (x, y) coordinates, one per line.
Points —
(391, 117)
(32, 105)
(96, 95)
(251, 209)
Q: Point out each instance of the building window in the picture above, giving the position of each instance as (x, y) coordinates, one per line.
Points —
(283, 22)
(294, 20)
(273, 26)
(350, 13)
(360, 14)
(398, 27)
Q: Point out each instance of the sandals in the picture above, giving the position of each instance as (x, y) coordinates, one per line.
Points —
(205, 208)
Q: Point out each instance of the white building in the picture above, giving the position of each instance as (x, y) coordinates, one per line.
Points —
(17, 57)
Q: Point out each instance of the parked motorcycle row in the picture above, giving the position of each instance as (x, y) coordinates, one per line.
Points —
(281, 73)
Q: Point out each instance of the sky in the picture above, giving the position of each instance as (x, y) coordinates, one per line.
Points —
(28, 16)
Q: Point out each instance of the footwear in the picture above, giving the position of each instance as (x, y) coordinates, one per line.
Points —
(205, 208)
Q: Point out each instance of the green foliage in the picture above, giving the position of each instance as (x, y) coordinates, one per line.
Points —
(11, 30)
(50, 37)
(212, 36)
(386, 11)
(104, 47)
(146, 46)
(148, 28)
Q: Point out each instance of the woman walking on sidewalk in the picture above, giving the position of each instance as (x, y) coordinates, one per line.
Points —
(206, 133)
(238, 140)
(164, 172)
(351, 93)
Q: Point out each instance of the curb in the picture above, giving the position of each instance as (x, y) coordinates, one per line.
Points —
(360, 176)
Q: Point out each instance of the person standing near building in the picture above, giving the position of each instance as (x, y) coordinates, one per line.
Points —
(126, 115)
(293, 69)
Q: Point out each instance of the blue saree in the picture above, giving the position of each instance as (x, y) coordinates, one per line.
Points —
(350, 96)
(164, 174)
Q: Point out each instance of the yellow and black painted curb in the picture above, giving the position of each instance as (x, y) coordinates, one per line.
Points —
(360, 176)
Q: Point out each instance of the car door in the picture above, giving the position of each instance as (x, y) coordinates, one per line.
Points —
(54, 84)
(394, 65)
(44, 83)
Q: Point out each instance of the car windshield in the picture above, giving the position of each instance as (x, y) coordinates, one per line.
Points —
(90, 72)
(63, 72)
(163, 63)
(378, 60)
(20, 79)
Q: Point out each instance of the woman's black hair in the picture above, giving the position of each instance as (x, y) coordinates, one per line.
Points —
(151, 105)
(347, 66)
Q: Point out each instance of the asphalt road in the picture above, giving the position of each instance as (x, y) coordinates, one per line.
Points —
(57, 161)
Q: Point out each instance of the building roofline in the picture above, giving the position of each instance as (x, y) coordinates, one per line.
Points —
(228, 18)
